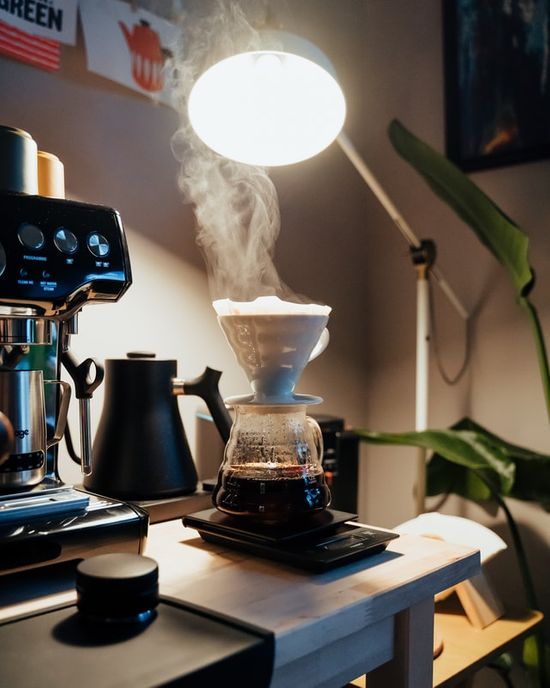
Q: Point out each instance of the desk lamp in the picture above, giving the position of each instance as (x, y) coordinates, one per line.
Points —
(281, 105)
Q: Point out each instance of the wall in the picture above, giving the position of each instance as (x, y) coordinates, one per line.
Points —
(115, 145)
(502, 389)
(336, 245)
(116, 149)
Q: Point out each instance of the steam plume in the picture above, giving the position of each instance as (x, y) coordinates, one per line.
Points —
(236, 205)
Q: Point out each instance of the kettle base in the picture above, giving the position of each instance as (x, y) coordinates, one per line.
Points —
(170, 508)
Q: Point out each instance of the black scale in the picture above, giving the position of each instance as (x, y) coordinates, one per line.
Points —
(321, 542)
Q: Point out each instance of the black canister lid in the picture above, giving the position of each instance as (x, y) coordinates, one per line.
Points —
(18, 161)
(117, 586)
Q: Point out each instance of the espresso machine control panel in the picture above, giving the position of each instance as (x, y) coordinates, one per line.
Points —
(55, 254)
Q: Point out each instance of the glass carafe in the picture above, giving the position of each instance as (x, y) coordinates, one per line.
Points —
(272, 465)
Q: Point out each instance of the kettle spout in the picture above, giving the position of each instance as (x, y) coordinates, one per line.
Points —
(126, 32)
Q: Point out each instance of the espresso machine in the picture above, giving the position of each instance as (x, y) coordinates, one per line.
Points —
(56, 256)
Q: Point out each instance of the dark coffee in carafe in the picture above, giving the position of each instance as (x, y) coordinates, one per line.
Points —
(273, 496)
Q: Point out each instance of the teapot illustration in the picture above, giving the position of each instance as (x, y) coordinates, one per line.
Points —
(147, 55)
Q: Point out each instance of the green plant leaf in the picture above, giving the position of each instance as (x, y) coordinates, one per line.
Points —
(500, 235)
(542, 355)
(538, 667)
(532, 475)
(468, 449)
(468, 454)
(444, 477)
(504, 239)
(503, 662)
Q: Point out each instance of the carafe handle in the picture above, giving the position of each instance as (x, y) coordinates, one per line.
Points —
(317, 436)
(63, 410)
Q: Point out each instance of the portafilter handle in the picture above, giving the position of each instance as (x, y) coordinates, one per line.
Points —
(87, 376)
(206, 387)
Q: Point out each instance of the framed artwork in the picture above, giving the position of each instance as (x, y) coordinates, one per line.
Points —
(497, 81)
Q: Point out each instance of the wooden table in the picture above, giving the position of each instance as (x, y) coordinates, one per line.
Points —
(467, 649)
(372, 616)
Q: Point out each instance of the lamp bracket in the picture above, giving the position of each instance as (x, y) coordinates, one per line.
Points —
(423, 256)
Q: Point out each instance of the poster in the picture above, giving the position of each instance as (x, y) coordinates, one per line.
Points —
(129, 46)
(51, 19)
(497, 81)
(25, 47)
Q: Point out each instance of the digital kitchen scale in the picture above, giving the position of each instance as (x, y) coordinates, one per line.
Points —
(321, 542)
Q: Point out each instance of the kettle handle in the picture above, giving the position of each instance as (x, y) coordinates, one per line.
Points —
(206, 387)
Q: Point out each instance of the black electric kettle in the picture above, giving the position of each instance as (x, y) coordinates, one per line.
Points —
(140, 450)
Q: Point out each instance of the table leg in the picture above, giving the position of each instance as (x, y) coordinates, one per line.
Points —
(412, 663)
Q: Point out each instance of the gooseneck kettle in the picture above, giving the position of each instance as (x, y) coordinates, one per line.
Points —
(140, 449)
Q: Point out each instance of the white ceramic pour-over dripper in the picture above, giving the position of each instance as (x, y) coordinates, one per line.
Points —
(273, 350)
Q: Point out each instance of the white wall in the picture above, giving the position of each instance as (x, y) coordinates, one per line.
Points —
(166, 311)
(501, 390)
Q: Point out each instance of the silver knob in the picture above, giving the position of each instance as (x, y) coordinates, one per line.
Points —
(65, 240)
(98, 245)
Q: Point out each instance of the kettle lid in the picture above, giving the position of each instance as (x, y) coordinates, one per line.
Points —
(141, 354)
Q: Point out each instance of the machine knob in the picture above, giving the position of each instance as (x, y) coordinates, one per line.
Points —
(3, 260)
(117, 587)
(98, 245)
(65, 240)
(31, 236)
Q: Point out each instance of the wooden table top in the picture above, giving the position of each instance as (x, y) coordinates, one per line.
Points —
(288, 601)
(329, 627)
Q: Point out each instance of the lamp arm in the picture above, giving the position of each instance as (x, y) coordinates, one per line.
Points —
(423, 255)
(402, 225)
(422, 381)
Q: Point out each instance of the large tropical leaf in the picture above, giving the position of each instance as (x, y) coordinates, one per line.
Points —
(502, 237)
(467, 457)
(505, 240)
(445, 477)
(532, 475)
(536, 655)
(467, 449)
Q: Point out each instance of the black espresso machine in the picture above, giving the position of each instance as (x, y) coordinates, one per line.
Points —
(56, 256)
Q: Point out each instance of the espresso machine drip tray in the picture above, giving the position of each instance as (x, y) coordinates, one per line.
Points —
(59, 500)
(317, 543)
(56, 523)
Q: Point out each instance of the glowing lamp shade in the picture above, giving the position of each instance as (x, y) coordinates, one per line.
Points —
(267, 108)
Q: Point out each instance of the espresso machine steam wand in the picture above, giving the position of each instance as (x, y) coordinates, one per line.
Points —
(87, 376)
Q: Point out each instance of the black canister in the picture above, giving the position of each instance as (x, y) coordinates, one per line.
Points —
(18, 161)
(117, 587)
